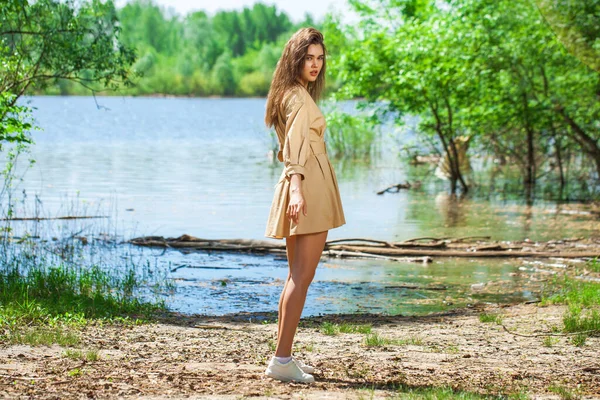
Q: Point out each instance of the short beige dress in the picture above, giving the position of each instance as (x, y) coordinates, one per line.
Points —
(300, 131)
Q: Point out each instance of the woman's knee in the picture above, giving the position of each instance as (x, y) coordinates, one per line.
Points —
(303, 279)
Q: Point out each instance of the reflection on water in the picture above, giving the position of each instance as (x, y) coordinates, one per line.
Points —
(224, 283)
(202, 167)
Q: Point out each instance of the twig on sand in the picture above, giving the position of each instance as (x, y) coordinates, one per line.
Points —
(594, 331)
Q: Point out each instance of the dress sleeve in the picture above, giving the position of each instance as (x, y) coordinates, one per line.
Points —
(296, 147)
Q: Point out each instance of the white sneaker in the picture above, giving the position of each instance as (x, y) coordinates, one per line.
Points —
(289, 371)
(305, 367)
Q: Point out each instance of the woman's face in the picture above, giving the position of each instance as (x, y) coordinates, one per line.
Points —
(313, 62)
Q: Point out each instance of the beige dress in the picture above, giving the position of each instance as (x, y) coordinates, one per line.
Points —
(300, 130)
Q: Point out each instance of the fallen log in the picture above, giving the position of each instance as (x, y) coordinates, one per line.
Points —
(355, 254)
(406, 251)
(463, 253)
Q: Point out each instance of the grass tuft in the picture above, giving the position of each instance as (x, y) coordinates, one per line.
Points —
(579, 340)
(351, 136)
(486, 318)
(405, 392)
(331, 329)
(563, 392)
(549, 341)
(375, 340)
(90, 355)
(43, 335)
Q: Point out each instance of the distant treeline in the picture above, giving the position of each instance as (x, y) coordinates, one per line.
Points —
(231, 53)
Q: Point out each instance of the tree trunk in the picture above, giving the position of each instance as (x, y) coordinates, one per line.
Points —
(557, 145)
(587, 143)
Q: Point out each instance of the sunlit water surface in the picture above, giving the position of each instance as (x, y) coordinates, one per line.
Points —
(169, 166)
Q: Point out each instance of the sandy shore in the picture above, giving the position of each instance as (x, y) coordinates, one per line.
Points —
(224, 357)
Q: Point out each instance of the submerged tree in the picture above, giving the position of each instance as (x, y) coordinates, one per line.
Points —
(489, 69)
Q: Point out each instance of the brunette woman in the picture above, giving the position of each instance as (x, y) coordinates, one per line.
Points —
(307, 202)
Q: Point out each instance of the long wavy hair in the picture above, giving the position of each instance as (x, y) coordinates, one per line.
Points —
(288, 69)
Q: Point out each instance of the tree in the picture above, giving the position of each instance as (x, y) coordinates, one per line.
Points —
(417, 64)
(577, 25)
(45, 40)
(489, 69)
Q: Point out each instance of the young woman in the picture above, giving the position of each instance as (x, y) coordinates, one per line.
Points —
(307, 201)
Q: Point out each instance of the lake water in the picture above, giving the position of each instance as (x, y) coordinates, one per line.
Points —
(169, 166)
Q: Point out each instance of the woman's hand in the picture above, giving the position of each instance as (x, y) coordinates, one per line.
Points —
(297, 203)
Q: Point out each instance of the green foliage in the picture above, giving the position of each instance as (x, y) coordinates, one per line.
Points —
(563, 392)
(491, 70)
(578, 319)
(579, 340)
(406, 392)
(331, 329)
(327, 328)
(46, 298)
(45, 40)
(16, 125)
(90, 355)
(583, 300)
(43, 335)
(593, 265)
(575, 22)
(375, 340)
(486, 317)
(45, 293)
(568, 290)
(350, 136)
(232, 53)
(549, 341)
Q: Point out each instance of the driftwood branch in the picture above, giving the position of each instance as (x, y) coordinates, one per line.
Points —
(406, 251)
(590, 332)
(355, 254)
(395, 188)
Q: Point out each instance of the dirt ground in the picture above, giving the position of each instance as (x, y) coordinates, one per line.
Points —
(225, 357)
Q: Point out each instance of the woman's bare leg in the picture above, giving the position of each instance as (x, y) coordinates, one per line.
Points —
(307, 253)
(290, 245)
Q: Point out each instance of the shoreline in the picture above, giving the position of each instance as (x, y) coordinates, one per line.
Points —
(222, 357)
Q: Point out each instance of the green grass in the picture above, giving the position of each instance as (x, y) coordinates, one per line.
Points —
(44, 335)
(568, 290)
(350, 136)
(563, 392)
(405, 392)
(487, 318)
(549, 341)
(351, 328)
(327, 328)
(579, 340)
(331, 329)
(307, 347)
(375, 340)
(578, 319)
(593, 265)
(453, 349)
(48, 304)
(90, 355)
(583, 301)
